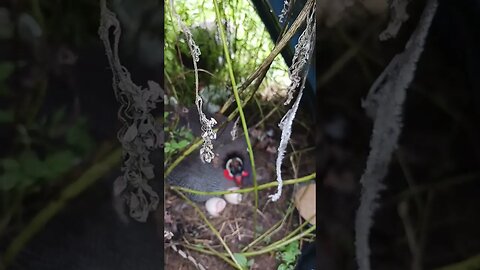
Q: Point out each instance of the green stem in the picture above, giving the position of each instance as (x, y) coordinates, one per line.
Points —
(217, 234)
(279, 244)
(246, 190)
(211, 251)
(195, 144)
(239, 106)
(471, 263)
(187, 152)
(70, 192)
(299, 228)
(272, 230)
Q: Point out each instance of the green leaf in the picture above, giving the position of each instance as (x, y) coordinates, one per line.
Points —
(79, 138)
(259, 228)
(6, 69)
(183, 143)
(58, 116)
(9, 180)
(289, 257)
(267, 239)
(59, 163)
(292, 247)
(241, 259)
(25, 181)
(6, 116)
(10, 164)
(31, 165)
(175, 145)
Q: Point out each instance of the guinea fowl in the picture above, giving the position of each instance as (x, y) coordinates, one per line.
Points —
(230, 169)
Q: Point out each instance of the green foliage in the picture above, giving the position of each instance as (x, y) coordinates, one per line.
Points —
(70, 21)
(6, 116)
(62, 145)
(182, 138)
(78, 138)
(28, 169)
(176, 138)
(248, 43)
(267, 239)
(288, 256)
(6, 69)
(242, 260)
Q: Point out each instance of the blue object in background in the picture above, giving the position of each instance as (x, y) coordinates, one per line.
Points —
(269, 11)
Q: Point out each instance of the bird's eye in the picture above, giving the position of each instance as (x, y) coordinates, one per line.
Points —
(235, 166)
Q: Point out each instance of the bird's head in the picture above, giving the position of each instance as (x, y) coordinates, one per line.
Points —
(234, 169)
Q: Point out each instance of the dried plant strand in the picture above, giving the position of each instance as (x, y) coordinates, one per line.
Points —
(167, 234)
(208, 134)
(234, 132)
(285, 10)
(189, 257)
(299, 70)
(398, 15)
(384, 104)
(140, 133)
(301, 57)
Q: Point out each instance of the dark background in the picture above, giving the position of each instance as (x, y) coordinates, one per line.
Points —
(434, 174)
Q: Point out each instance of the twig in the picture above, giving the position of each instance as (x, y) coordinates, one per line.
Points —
(217, 234)
(280, 243)
(270, 231)
(211, 251)
(472, 263)
(410, 233)
(246, 190)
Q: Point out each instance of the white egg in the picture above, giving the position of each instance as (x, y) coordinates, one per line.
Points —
(215, 206)
(233, 198)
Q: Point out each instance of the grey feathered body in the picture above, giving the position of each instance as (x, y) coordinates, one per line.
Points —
(193, 174)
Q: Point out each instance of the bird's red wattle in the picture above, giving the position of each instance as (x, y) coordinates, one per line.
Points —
(230, 177)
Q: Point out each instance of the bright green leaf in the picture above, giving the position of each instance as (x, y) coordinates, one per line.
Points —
(241, 259)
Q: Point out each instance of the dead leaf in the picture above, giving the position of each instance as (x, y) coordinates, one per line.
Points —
(305, 202)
